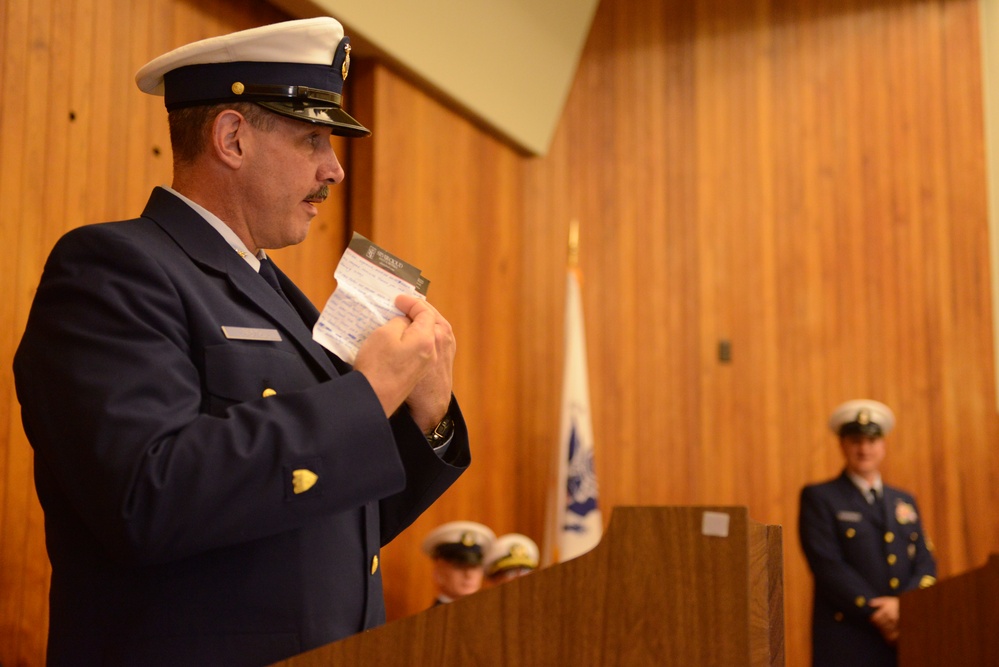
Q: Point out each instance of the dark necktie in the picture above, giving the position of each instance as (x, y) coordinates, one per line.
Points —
(268, 273)
(878, 503)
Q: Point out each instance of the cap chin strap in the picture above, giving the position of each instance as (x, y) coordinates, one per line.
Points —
(296, 93)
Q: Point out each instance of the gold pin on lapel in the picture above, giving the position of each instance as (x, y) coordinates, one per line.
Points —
(302, 480)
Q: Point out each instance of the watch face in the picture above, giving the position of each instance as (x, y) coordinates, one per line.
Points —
(443, 430)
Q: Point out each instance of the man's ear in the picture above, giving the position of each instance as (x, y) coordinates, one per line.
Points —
(229, 131)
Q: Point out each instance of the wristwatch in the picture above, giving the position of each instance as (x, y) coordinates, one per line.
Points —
(442, 432)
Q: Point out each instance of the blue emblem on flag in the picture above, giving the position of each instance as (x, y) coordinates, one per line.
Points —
(581, 482)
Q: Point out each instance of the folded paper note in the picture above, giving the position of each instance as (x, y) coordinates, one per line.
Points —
(368, 279)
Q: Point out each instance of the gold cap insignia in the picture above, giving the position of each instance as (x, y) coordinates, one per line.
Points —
(238, 88)
(346, 62)
(864, 416)
(468, 539)
(518, 551)
(302, 480)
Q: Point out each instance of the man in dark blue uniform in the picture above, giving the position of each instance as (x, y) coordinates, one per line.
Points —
(216, 485)
(865, 545)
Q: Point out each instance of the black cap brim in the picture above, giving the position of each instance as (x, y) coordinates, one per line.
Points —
(343, 124)
(868, 430)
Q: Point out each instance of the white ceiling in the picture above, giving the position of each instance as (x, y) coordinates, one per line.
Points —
(509, 63)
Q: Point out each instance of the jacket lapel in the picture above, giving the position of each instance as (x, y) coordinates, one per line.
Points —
(212, 254)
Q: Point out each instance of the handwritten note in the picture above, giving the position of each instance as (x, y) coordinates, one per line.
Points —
(368, 280)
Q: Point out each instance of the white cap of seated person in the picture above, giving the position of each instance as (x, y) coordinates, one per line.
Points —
(457, 549)
(510, 556)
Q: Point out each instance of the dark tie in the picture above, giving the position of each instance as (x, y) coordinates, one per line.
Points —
(878, 503)
(270, 275)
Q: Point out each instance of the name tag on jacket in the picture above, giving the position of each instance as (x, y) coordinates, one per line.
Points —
(852, 517)
(250, 333)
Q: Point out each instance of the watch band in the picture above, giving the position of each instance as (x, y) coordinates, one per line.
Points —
(442, 432)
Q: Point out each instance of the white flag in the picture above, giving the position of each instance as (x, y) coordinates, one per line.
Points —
(578, 524)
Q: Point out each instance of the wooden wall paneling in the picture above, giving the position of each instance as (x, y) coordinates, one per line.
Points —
(23, 64)
(805, 179)
(85, 93)
(829, 256)
(972, 429)
(439, 193)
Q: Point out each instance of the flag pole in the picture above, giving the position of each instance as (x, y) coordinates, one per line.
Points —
(555, 518)
(556, 495)
(573, 260)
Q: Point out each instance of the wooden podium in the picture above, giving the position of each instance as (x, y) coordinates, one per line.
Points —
(953, 623)
(665, 586)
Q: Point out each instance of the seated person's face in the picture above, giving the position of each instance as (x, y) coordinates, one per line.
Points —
(456, 581)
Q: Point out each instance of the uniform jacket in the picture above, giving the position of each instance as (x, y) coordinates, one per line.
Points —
(166, 453)
(858, 552)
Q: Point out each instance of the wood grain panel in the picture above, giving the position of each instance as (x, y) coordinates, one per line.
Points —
(433, 189)
(827, 161)
(801, 178)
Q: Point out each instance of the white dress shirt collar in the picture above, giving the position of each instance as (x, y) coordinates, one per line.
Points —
(877, 485)
(230, 236)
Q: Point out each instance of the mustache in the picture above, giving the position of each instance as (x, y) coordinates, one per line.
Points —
(321, 194)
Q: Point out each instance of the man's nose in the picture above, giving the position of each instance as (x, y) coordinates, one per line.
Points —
(331, 171)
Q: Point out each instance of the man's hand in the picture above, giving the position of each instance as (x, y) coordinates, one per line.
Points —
(431, 396)
(885, 617)
(410, 358)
